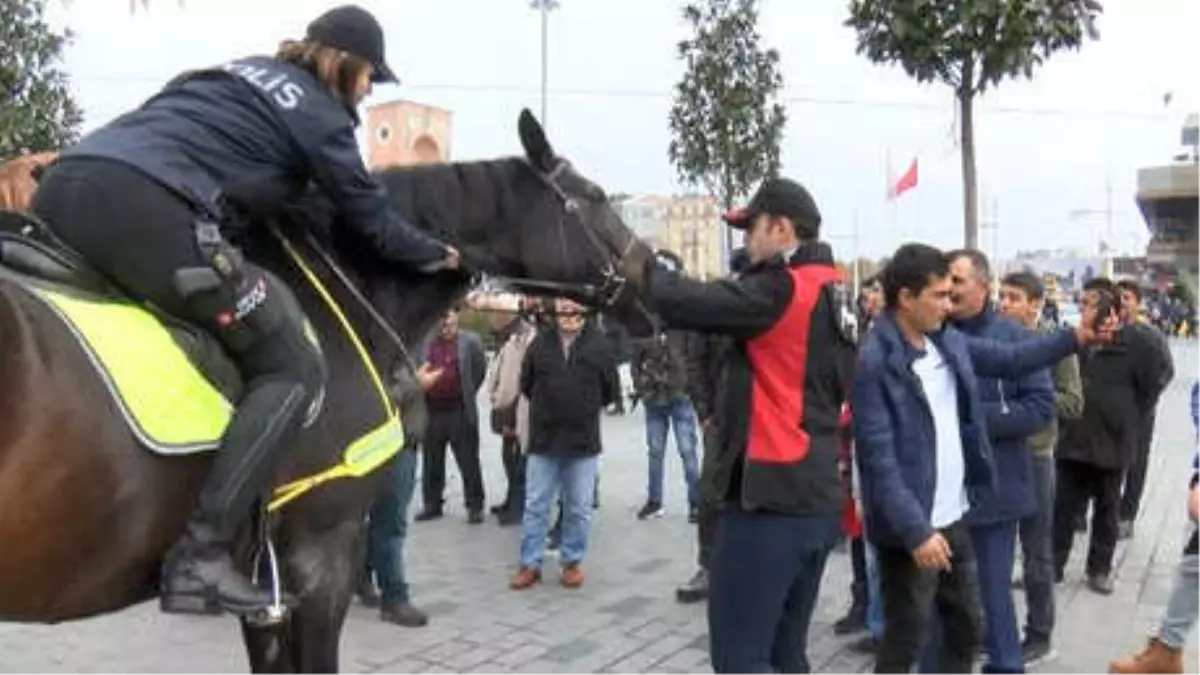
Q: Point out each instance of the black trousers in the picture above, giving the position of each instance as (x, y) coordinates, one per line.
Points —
(1135, 476)
(709, 509)
(139, 234)
(450, 426)
(514, 472)
(859, 593)
(912, 595)
(1077, 485)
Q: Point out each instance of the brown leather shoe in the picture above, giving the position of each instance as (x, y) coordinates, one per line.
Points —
(572, 576)
(524, 578)
(1156, 658)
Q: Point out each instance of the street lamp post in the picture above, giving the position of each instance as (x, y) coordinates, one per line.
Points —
(545, 7)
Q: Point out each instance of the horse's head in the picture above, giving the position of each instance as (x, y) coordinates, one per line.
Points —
(533, 223)
(570, 240)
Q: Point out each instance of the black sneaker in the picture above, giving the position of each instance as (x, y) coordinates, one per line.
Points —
(427, 515)
(1035, 650)
(475, 517)
(693, 514)
(404, 614)
(1100, 583)
(651, 510)
(695, 590)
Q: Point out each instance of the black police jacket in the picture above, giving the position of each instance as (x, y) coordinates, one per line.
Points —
(255, 132)
(783, 373)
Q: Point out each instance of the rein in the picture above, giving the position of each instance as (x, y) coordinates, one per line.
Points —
(608, 292)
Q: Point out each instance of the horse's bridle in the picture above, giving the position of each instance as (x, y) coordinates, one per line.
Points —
(613, 282)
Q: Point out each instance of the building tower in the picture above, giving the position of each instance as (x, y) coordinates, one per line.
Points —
(401, 133)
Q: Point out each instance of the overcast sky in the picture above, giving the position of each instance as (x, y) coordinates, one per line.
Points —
(1045, 148)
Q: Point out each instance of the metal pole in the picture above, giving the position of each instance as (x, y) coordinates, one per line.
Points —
(544, 6)
(545, 28)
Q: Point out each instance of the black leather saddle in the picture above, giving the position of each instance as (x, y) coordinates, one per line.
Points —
(29, 248)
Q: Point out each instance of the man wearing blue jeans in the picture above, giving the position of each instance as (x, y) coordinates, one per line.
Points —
(389, 513)
(385, 543)
(1164, 651)
(677, 413)
(660, 378)
(568, 377)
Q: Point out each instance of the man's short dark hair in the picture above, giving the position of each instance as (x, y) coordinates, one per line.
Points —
(1131, 286)
(912, 267)
(1027, 282)
(978, 259)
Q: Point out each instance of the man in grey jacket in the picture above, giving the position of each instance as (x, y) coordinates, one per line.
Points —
(457, 357)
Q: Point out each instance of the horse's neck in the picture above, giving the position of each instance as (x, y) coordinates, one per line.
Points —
(470, 204)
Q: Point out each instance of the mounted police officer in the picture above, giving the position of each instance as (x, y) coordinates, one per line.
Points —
(147, 199)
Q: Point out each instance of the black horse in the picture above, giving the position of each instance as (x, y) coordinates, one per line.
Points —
(86, 514)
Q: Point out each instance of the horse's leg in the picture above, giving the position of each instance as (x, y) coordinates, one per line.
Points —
(268, 647)
(324, 566)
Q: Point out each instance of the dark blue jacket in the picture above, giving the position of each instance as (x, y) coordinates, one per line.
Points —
(1013, 410)
(893, 425)
(255, 132)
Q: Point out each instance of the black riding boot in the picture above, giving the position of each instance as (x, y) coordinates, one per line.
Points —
(199, 576)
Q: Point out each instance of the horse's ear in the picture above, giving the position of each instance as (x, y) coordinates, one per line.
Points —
(533, 139)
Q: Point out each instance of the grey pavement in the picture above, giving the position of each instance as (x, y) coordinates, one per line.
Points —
(625, 618)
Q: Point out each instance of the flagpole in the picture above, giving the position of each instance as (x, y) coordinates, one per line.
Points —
(893, 230)
(856, 275)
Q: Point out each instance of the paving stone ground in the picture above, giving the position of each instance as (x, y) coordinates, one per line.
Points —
(625, 618)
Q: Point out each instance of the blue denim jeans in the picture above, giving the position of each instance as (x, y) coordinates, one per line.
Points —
(389, 525)
(1180, 614)
(1037, 553)
(545, 476)
(677, 413)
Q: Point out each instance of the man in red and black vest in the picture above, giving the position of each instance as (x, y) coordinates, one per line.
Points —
(780, 389)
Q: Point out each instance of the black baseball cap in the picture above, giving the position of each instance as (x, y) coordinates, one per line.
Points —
(778, 197)
(352, 29)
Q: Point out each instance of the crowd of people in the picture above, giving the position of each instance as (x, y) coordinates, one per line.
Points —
(947, 431)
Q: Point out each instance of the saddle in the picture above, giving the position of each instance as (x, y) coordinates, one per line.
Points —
(153, 364)
(29, 248)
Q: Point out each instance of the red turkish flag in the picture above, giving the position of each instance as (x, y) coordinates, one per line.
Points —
(906, 182)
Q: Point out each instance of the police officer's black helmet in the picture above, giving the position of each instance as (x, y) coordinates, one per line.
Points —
(353, 30)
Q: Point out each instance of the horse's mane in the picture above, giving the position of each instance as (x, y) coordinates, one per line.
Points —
(435, 199)
(456, 203)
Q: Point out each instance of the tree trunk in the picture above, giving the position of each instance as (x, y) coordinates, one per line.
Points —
(727, 235)
(966, 116)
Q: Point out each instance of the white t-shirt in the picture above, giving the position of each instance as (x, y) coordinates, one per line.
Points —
(949, 492)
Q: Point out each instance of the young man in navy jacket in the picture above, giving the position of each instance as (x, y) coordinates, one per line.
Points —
(924, 457)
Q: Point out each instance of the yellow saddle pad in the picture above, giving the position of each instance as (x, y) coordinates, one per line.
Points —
(167, 401)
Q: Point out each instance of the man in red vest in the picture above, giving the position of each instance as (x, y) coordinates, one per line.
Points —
(779, 391)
